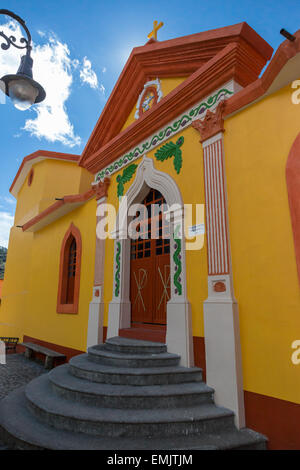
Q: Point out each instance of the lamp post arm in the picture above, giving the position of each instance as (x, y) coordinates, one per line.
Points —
(11, 40)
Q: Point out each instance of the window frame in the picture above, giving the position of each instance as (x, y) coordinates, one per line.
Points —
(62, 306)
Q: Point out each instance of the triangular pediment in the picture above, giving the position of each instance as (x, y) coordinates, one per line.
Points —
(180, 57)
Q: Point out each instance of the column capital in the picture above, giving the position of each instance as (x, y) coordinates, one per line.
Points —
(212, 124)
(101, 188)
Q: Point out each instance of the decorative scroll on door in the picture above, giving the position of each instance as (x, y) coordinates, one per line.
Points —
(150, 264)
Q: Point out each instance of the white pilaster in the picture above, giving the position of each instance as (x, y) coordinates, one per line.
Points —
(221, 317)
(96, 307)
(119, 315)
(95, 325)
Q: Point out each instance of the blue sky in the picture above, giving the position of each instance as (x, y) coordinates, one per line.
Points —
(80, 48)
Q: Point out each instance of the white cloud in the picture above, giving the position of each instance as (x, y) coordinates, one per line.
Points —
(10, 60)
(6, 222)
(87, 74)
(53, 69)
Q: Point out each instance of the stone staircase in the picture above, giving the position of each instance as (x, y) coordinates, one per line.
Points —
(123, 395)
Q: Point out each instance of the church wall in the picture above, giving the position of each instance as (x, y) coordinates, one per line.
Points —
(29, 299)
(43, 322)
(257, 144)
(15, 289)
(29, 197)
(51, 179)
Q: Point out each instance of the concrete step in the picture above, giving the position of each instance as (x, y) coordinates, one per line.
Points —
(82, 367)
(111, 358)
(80, 417)
(134, 346)
(145, 333)
(122, 405)
(70, 387)
(19, 429)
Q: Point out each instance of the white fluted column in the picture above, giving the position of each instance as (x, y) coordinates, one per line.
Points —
(221, 316)
(96, 306)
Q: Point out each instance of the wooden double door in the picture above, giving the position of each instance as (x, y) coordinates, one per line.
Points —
(150, 264)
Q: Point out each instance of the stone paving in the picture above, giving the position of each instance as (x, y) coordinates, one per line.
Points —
(17, 372)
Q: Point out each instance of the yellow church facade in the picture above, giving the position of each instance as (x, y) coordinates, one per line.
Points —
(191, 123)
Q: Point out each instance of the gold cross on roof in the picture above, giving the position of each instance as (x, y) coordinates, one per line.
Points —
(156, 27)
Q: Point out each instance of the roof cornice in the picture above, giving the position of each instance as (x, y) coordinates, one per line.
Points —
(176, 57)
(266, 84)
(232, 62)
(65, 205)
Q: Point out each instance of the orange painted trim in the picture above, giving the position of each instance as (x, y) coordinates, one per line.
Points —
(199, 354)
(293, 184)
(104, 333)
(286, 51)
(212, 124)
(63, 272)
(77, 198)
(98, 191)
(277, 419)
(177, 57)
(47, 154)
(230, 63)
(101, 188)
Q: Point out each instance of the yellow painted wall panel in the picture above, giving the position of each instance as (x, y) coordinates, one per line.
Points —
(31, 282)
(257, 143)
(52, 179)
(43, 321)
(15, 291)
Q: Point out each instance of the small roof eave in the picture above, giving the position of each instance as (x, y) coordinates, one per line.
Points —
(57, 210)
(34, 158)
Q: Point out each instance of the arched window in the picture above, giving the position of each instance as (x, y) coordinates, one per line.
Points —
(69, 272)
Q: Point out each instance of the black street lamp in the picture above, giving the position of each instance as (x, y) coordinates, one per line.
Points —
(21, 87)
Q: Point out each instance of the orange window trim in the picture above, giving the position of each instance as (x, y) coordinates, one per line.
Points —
(63, 307)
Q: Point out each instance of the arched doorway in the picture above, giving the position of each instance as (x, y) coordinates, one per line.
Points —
(150, 263)
(179, 336)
